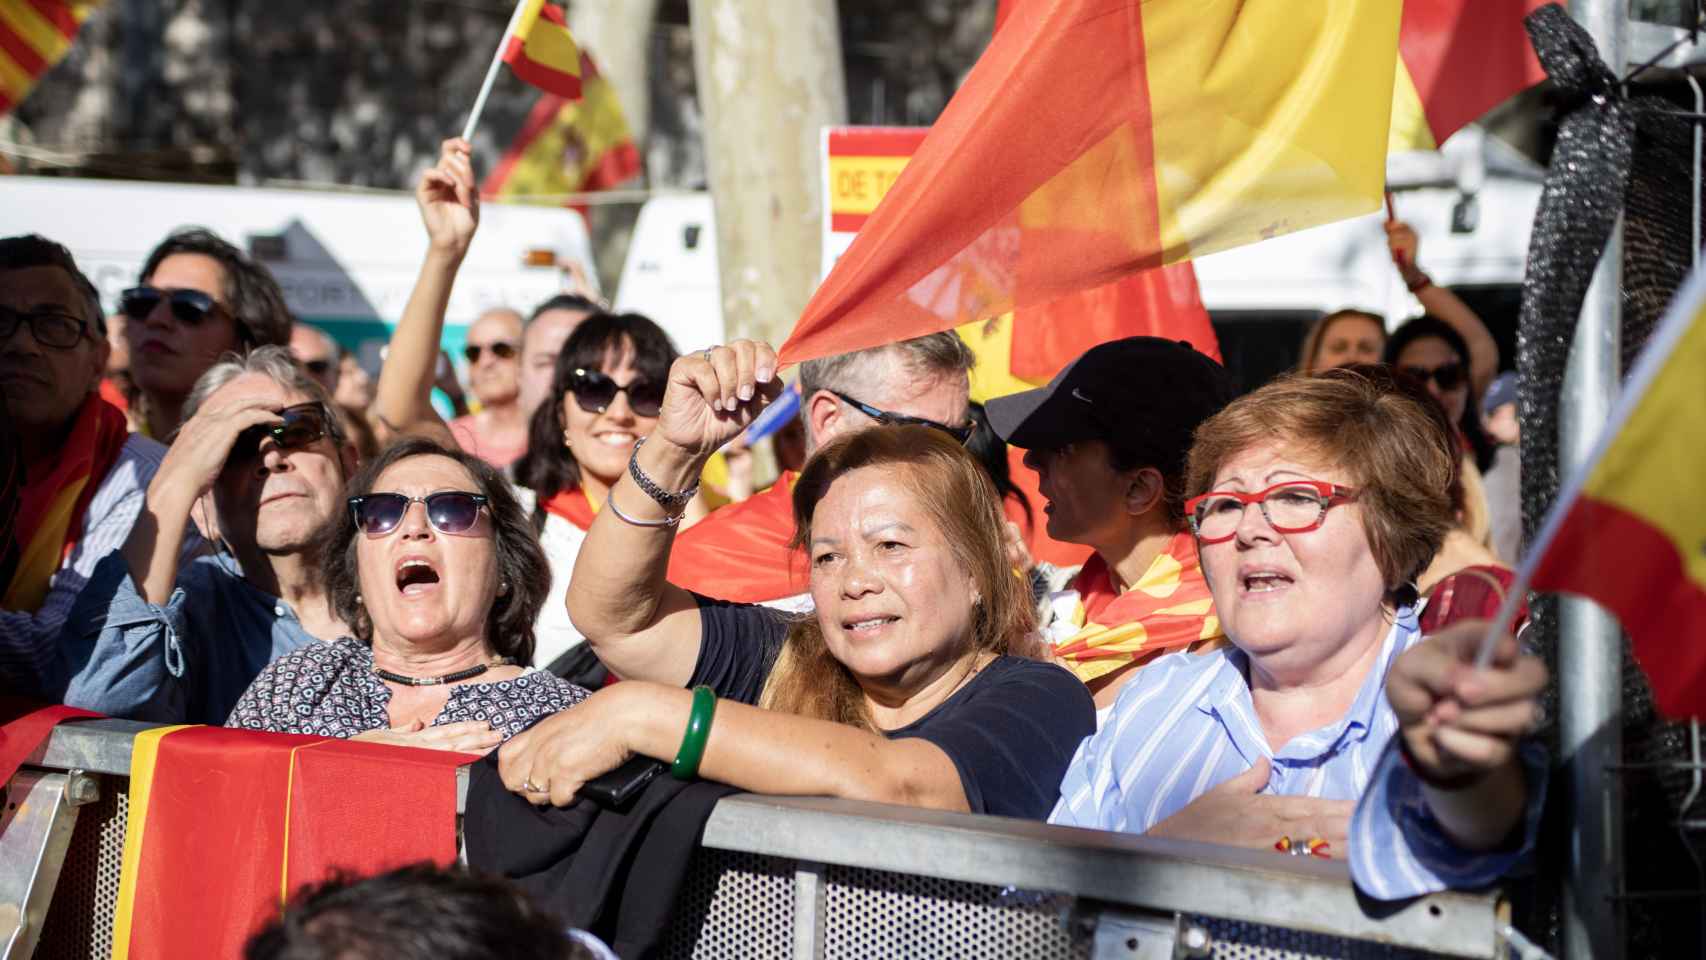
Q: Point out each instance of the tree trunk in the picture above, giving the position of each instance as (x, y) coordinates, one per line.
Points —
(769, 79)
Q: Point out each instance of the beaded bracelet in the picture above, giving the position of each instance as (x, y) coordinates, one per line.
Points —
(686, 765)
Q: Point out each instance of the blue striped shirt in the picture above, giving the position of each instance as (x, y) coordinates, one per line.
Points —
(1186, 724)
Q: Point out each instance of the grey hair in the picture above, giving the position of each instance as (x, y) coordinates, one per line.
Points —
(275, 363)
(934, 353)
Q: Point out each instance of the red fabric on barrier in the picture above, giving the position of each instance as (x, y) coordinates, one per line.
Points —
(24, 727)
(740, 552)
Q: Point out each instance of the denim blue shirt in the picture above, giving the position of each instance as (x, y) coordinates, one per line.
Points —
(1186, 724)
(185, 662)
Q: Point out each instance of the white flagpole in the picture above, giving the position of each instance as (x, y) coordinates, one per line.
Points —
(492, 73)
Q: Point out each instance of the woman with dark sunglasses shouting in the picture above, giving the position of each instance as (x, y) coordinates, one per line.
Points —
(435, 571)
(608, 382)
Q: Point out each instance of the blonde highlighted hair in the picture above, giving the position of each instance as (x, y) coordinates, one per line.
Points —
(958, 496)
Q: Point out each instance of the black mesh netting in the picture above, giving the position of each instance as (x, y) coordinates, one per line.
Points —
(1614, 153)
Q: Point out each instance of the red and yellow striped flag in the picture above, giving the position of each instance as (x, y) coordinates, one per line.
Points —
(568, 146)
(541, 51)
(1629, 531)
(224, 825)
(1098, 138)
(1457, 59)
(34, 35)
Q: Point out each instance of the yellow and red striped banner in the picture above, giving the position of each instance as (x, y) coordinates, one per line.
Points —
(1098, 138)
(34, 35)
(1457, 59)
(542, 52)
(224, 825)
(1629, 530)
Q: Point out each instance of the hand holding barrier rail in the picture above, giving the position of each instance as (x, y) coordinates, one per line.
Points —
(807, 877)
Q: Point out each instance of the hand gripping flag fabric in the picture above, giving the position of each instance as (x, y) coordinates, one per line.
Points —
(541, 51)
(1457, 59)
(225, 825)
(1628, 531)
(34, 35)
(1098, 138)
(568, 146)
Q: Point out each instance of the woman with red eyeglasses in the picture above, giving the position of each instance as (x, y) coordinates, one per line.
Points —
(1331, 726)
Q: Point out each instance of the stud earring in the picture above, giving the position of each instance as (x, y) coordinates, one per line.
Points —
(358, 599)
(503, 589)
(566, 441)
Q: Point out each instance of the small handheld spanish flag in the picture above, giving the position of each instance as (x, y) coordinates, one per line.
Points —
(540, 50)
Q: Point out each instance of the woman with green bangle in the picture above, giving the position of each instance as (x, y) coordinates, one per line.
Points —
(912, 682)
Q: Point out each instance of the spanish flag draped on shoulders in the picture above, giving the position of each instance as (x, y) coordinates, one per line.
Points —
(743, 552)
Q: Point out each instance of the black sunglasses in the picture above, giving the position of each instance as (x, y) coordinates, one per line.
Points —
(1449, 377)
(318, 368)
(594, 392)
(302, 424)
(888, 419)
(501, 349)
(51, 328)
(452, 512)
(190, 307)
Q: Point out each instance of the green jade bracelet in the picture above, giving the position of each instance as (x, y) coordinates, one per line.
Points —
(686, 765)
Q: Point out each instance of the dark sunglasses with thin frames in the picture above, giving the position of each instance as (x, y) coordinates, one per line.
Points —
(501, 349)
(887, 418)
(51, 328)
(594, 392)
(301, 424)
(189, 307)
(1448, 376)
(450, 512)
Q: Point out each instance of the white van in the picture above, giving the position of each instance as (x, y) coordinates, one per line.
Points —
(346, 261)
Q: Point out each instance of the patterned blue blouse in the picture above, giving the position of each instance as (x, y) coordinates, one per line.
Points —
(330, 690)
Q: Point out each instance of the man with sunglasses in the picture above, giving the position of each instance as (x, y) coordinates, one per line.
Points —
(199, 298)
(263, 460)
(83, 474)
(497, 433)
(1108, 438)
(318, 353)
(741, 552)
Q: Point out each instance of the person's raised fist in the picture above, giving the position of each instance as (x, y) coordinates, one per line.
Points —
(714, 394)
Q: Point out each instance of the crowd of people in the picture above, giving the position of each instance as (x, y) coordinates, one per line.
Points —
(213, 519)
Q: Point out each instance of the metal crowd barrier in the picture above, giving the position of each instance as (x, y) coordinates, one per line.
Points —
(788, 877)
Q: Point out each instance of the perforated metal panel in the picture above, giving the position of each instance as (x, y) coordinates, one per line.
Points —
(80, 921)
(875, 914)
(734, 906)
(1234, 940)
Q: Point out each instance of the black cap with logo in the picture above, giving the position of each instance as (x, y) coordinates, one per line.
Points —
(1140, 393)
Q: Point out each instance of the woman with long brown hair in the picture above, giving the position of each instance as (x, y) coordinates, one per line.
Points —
(911, 682)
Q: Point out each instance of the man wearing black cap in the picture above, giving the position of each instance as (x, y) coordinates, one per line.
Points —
(1108, 438)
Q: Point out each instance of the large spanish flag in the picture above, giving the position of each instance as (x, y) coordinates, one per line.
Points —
(568, 146)
(540, 50)
(1097, 138)
(224, 825)
(1629, 530)
(1457, 59)
(34, 35)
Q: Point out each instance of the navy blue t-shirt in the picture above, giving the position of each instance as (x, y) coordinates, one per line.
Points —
(1011, 730)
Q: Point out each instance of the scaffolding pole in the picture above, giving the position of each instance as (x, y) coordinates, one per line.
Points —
(1590, 661)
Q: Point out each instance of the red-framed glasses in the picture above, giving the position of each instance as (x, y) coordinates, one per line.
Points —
(1296, 506)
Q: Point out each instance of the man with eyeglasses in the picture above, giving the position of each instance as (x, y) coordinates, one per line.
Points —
(199, 298)
(264, 461)
(497, 432)
(740, 552)
(84, 474)
(1108, 438)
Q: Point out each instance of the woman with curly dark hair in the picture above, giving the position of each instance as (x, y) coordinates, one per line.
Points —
(441, 601)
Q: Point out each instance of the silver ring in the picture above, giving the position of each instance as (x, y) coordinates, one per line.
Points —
(531, 787)
(706, 355)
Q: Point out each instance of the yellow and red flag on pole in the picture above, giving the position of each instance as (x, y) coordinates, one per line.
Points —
(225, 825)
(34, 35)
(1098, 138)
(1628, 530)
(541, 51)
(1457, 59)
(568, 146)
